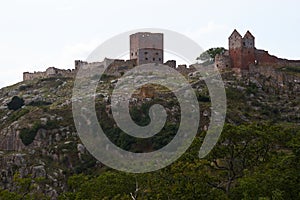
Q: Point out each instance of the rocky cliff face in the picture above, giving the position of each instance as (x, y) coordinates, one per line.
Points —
(278, 78)
(39, 141)
(53, 149)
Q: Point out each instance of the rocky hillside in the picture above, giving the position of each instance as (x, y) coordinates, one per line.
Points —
(39, 142)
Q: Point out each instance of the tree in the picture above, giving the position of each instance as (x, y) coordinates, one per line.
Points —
(105, 186)
(239, 148)
(210, 54)
(16, 103)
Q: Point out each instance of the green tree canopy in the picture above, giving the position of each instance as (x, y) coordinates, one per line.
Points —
(211, 53)
(16, 103)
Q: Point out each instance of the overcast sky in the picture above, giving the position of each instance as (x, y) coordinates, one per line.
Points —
(36, 34)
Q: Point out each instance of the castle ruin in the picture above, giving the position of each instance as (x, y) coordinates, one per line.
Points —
(242, 55)
(146, 47)
(50, 72)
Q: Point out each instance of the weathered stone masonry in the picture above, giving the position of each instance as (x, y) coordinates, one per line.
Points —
(146, 47)
(242, 54)
(50, 72)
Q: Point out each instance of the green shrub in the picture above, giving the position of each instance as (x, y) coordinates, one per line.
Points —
(203, 98)
(16, 103)
(25, 87)
(291, 69)
(16, 115)
(27, 135)
(251, 89)
(39, 103)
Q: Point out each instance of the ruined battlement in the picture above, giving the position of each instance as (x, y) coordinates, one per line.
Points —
(146, 47)
(116, 67)
(50, 72)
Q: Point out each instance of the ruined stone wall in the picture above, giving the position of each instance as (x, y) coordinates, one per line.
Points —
(183, 69)
(54, 72)
(290, 63)
(265, 59)
(119, 67)
(116, 68)
(222, 61)
(171, 63)
(35, 75)
(50, 72)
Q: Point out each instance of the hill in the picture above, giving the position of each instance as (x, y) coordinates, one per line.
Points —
(257, 156)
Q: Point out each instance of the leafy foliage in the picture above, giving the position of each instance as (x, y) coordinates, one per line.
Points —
(18, 114)
(39, 103)
(245, 164)
(16, 103)
(291, 69)
(211, 53)
(27, 135)
(250, 161)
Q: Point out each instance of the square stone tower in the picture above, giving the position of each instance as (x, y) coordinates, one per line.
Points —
(147, 47)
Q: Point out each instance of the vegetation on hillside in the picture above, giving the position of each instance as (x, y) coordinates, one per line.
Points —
(211, 53)
(256, 157)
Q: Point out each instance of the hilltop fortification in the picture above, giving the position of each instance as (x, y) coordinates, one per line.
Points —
(146, 47)
(242, 54)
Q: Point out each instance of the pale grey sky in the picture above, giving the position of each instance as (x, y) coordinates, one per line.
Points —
(36, 34)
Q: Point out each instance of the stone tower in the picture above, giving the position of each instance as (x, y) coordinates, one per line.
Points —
(248, 51)
(235, 49)
(241, 50)
(147, 47)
